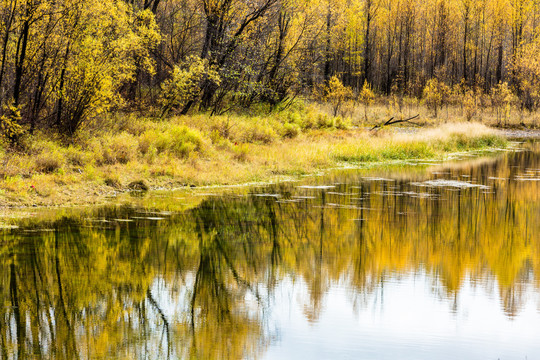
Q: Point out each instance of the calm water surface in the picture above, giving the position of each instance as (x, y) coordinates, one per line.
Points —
(440, 262)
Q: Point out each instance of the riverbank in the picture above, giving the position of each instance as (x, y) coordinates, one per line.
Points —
(158, 155)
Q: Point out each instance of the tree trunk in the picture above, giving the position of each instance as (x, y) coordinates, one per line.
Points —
(327, 62)
(367, 45)
(20, 58)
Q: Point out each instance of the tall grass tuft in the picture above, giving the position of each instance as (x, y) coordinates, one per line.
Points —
(177, 140)
(120, 148)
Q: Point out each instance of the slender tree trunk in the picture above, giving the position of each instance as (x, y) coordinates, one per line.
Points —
(5, 41)
(487, 75)
(499, 61)
(465, 39)
(327, 57)
(367, 45)
(20, 59)
(60, 101)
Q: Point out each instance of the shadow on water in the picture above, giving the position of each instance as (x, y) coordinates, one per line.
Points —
(131, 283)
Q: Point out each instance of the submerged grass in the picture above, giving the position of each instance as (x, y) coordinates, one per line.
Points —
(201, 150)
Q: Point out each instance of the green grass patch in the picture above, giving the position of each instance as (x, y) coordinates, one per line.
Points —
(407, 150)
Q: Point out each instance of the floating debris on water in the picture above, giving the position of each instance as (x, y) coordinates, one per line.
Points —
(293, 201)
(159, 213)
(342, 206)
(317, 187)
(388, 193)
(152, 218)
(268, 195)
(37, 230)
(99, 220)
(420, 195)
(377, 179)
(340, 194)
(450, 183)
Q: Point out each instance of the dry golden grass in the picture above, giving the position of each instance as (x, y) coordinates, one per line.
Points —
(398, 107)
(200, 150)
(404, 108)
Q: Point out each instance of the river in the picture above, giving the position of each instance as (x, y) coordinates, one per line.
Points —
(415, 261)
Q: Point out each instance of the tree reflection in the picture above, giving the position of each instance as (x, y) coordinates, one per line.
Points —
(199, 284)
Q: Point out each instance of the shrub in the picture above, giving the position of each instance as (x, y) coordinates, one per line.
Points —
(10, 130)
(342, 124)
(177, 140)
(222, 126)
(324, 121)
(337, 94)
(185, 83)
(77, 157)
(47, 156)
(240, 152)
(254, 132)
(151, 154)
(290, 130)
(435, 95)
(48, 162)
(294, 117)
(181, 141)
(470, 104)
(120, 148)
(501, 101)
(366, 97)
(138, 185)
(112, 181)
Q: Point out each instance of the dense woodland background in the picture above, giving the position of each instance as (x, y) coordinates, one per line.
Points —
(65, 62)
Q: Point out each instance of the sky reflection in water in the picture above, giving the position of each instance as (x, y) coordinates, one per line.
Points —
(393, 264)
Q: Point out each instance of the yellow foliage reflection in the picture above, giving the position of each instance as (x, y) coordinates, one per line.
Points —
(199, 284)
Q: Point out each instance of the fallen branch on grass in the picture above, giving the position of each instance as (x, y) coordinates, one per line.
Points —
(391, 121)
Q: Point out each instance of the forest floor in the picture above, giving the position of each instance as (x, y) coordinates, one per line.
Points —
(195, 151)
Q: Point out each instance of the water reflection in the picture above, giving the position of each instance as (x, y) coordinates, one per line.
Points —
(207, 283)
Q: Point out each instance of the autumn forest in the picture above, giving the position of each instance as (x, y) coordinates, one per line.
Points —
(274, 179)
(65, 62)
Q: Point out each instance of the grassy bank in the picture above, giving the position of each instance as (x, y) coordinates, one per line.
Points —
(200, 150)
